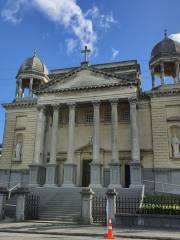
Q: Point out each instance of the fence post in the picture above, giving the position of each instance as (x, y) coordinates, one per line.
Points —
(20, 204)
(111, 204)
(3, 194)
(86, 205)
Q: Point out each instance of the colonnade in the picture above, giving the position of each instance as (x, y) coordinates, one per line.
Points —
(96, 165)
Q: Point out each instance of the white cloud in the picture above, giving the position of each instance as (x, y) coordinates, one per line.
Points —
(102, 20)
(67, 13)
(71, 44)
(114, 53)
(11, 11)
(175, 36)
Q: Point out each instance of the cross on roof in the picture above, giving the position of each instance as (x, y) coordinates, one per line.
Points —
(165, 33)
(86, 51)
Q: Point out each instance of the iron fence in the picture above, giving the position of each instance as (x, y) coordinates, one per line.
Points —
(127, 205)
(169, 205)
(99, 209)
(32, 207)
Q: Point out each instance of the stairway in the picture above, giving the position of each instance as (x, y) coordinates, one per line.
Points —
(61, 204)
(64, 204)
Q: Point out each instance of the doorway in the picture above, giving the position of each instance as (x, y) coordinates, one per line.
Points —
(86, 172)
(127, 176)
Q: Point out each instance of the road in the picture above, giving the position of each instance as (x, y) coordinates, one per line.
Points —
(22, 236)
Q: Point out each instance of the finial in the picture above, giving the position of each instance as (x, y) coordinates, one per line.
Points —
(35, 52)
(165, 33)
(86, 51)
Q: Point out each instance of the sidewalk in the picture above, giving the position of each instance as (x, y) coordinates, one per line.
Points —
(57, 228)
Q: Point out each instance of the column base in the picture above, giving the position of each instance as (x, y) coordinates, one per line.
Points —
(136, 175)
(69, 175)
(95, 175)
(35, 175)
(115, 175)
(51, 175)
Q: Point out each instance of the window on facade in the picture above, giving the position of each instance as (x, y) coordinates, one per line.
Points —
(89, 117)
(124, 116)
(107, 116)
(60, 118)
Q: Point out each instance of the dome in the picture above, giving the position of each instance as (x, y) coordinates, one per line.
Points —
(33, 64)
(166, 48)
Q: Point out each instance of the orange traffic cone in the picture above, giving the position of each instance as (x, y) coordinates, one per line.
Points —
(109, 234)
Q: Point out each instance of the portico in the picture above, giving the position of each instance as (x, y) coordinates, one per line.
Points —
(71, 168)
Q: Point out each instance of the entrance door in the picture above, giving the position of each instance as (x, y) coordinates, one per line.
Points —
(127, 176)
(86, 173)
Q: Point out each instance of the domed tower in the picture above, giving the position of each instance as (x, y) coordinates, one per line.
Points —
(32, 73)
(165, 61)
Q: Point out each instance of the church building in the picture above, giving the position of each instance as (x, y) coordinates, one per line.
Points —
(93, 125)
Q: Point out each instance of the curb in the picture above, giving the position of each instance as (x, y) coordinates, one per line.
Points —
(88, 234)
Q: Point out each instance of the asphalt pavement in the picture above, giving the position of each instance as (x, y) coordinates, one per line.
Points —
(58, 230)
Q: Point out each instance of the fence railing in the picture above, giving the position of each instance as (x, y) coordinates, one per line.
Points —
(127, 205)
(99, 209)
(167, 205)
(32, 207)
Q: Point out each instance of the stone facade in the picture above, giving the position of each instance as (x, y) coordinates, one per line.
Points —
(92, 126)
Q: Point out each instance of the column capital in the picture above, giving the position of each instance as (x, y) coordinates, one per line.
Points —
(41, 107)
(55, 106)
(132, 100)
(71, 104)
(96, 102)
(114, 101)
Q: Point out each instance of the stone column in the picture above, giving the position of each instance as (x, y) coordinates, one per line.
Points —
(36, 166)
(96, 164)
(162, 73)
(51, 167)
(70, 166)
(31, 87)
(17, 89)
(20, 204)
(115, 164)
(177, 72)
(111, 204)
(153, 78)
(136, 179)
(20, 92)
(3, 194)
(86, 205)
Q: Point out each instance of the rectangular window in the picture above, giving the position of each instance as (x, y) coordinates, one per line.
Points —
(89, 117)
(107, 116)
(124, 116)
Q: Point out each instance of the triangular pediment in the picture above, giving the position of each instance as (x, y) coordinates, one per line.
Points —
(83, 78)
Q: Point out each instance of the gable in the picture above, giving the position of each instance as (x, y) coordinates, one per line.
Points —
(83, 78)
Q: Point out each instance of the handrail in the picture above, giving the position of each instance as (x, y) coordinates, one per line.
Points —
(172, 184)
(142, 196)
(164, 187)
(11, 189)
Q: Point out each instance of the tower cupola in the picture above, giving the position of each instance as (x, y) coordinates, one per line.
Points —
(165, 61)
(32, 73)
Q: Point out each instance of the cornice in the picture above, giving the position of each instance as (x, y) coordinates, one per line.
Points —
(19, 104)
(123, 81)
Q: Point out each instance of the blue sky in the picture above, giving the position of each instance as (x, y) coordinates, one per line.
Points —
(114, 29)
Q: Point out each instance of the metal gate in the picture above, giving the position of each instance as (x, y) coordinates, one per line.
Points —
(32, 207)
(99, 209)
